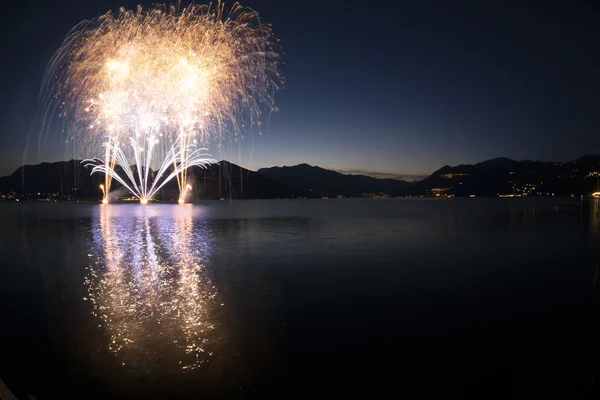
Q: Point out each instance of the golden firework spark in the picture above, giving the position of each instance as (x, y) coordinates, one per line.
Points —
(161, 81)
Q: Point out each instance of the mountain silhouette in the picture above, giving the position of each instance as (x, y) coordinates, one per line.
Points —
(506, 176)
(321, 182)
(498, 176)
(73, 179)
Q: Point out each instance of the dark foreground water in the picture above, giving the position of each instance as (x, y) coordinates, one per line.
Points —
(483, 298)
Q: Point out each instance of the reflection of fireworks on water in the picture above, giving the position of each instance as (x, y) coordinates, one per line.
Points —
(148, 87)
(154, 300)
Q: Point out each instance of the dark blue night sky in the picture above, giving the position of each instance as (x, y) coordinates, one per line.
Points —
(397, 88)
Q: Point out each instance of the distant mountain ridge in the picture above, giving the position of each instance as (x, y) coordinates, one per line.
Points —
(322, 182)
(73, 179)
(498, 176)
(503, 176)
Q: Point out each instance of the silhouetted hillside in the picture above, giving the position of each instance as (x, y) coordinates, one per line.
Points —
(67, 178)
(72, 179)
(227, 180)
(321, 182)
(499, 176)
(503, 176)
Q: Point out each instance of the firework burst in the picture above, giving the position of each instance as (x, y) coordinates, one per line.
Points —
(151, 87)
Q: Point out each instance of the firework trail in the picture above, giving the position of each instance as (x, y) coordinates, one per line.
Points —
(152, 87)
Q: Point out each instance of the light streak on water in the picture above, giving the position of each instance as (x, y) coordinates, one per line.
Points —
(149, 289)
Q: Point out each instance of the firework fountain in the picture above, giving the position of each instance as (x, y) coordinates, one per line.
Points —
(143, 92)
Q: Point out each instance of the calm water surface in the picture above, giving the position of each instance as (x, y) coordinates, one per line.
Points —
(488, 298)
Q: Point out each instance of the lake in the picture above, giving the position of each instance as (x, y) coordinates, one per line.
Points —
(482, 298)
